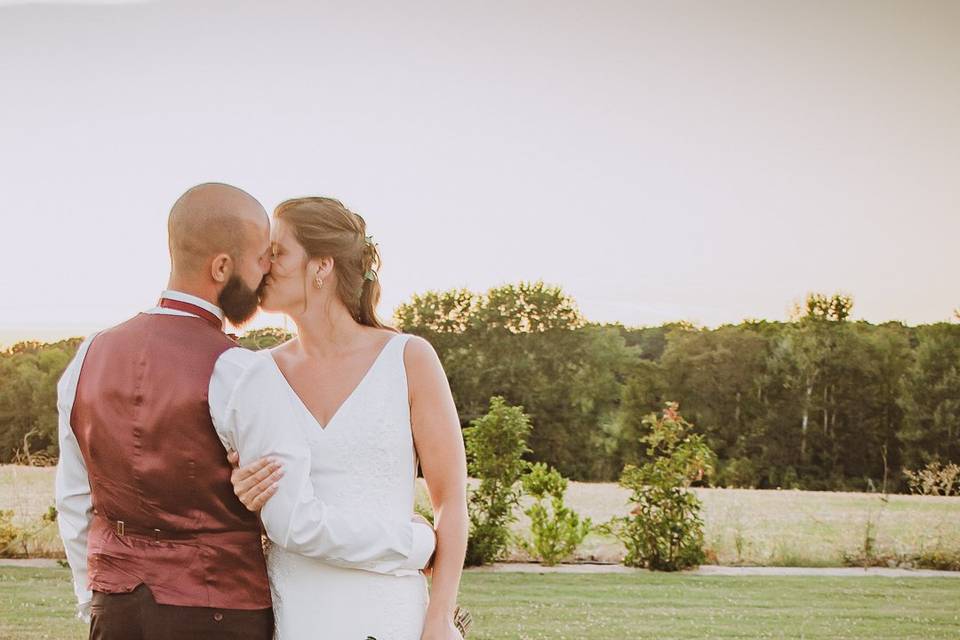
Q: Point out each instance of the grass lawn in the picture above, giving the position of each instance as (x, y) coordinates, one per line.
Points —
(37, 603)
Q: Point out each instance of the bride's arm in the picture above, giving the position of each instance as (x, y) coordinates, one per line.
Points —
(254, 415)
(439, 443)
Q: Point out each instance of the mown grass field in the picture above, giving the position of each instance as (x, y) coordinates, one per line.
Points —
(38, 603)
(775, 528)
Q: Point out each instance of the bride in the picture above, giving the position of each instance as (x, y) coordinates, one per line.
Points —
(373, 403)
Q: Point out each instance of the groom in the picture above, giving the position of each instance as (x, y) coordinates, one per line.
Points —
(159, 545)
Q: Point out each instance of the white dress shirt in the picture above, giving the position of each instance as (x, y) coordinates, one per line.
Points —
(251, 409)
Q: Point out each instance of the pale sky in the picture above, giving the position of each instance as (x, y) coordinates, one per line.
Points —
(706, 161)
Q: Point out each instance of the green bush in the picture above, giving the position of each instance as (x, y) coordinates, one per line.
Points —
(557, 530)
(664, 531)
(495, 446)
(8, 531)
(940, 559)
(935, 479)
(738, 473)
(30, 541)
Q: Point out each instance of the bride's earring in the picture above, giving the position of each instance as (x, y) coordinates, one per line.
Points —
(317, 282)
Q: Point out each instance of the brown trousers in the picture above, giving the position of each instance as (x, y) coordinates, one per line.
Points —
(137, 616)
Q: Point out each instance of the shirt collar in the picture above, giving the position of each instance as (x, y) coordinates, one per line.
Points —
(200, 302)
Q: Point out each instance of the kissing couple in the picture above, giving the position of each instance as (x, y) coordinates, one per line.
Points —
(178, 448)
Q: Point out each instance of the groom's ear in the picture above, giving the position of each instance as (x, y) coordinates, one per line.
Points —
(221, 267)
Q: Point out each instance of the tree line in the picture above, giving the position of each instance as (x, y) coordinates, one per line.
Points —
(818, 402)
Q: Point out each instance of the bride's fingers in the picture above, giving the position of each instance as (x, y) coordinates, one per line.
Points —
(251, 496)
(246, 477)
(234, 459)
(257, 503)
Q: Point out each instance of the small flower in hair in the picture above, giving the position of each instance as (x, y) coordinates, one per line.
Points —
(369, 241)
(370, 275)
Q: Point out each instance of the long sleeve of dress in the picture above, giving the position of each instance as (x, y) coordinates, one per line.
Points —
(255, 414)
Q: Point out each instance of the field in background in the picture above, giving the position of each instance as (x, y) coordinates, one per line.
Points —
(38, 603)
(784, 528)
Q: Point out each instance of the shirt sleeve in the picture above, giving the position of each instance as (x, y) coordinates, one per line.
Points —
(72, 486)
(254, 412)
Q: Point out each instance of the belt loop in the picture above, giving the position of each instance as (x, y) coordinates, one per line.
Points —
(120, 528)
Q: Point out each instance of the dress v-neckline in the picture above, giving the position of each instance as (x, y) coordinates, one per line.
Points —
(346, 400)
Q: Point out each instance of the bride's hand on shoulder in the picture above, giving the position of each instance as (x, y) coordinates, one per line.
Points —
(256, 482)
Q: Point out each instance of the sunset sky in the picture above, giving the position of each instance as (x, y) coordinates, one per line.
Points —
(706, 161)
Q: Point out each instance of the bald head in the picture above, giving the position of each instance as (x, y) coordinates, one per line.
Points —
(212, 219)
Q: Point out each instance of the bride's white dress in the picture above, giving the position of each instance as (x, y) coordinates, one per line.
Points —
(363, 460)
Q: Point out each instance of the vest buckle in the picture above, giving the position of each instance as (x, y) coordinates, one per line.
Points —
(156, 535)
(121, 529)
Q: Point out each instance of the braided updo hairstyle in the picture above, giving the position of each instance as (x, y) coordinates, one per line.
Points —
(324, 227)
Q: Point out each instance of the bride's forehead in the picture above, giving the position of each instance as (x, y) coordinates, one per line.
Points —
(279, 232)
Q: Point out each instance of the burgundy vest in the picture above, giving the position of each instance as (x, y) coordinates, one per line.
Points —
(154, 460)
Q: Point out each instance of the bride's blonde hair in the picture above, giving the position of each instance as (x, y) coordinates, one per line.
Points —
(324, 227)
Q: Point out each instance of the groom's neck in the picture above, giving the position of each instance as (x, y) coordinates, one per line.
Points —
(204, 291)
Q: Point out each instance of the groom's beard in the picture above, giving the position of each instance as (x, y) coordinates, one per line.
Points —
(238, 301)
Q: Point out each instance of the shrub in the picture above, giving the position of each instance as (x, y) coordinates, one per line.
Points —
(8, 531)
(29, 541)
(739, 473)
(556, 529)
(495, 446)
(934, 479)
(664, 530)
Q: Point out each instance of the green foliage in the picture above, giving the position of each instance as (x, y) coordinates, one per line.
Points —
(720, 377)
(820, 402)
(557, 530)
(29, 372)
(818, 306)
(935, 479)
(8, 531)
(642, 394)
(529, 344)
(939, 559)
(931, 398)
(495, 446)
(257, 339)
(30, 541)
(739, 473)
(664, 530)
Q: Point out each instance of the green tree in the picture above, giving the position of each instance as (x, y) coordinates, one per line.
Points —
(643, 393)
(529, 344)
(719, 376)
(804, 358)
(29, 372)
(931, 398)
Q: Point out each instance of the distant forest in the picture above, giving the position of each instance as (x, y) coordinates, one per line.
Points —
(819, 402)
